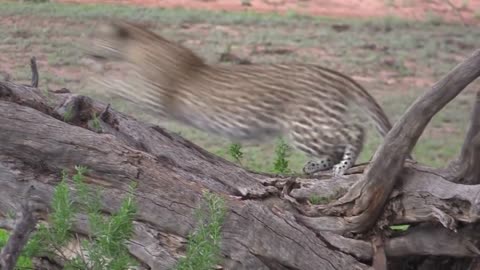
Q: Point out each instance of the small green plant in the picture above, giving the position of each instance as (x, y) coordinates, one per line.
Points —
(47, 94)
(400, 227)
(203, 247)
(106, 247)
(315, 199)
(68, 115)
(280, 164)
(96, 123)
(3, 238)
(235, 151)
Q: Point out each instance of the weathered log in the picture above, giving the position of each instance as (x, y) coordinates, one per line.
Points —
(171, 174)
(269, 224)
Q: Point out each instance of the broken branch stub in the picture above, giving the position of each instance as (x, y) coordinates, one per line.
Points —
(24, 226)
(467, 167)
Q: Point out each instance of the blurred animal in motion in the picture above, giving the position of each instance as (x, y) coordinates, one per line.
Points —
(320, 110)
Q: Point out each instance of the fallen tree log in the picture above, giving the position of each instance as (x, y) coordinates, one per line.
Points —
(269, 223)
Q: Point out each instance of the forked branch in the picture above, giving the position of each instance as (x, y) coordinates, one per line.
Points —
(372, 191)
(382, 173)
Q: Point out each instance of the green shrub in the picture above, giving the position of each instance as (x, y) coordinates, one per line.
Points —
(280, 164)
(235, 151)
(106, 248)
(203, 247)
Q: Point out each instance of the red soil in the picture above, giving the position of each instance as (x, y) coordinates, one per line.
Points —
(417, 9)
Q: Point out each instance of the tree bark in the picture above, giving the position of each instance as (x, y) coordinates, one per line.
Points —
(269, 222)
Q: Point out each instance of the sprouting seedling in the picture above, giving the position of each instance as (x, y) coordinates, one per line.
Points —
(280, 164)
(235, 150)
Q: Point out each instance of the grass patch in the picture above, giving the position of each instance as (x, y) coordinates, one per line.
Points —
(106, 247)
(235, 151)
(316, 199)
(160, 15)
(95, 123)
(280, 164)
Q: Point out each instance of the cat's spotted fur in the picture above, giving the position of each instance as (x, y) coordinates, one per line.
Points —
(312, 105)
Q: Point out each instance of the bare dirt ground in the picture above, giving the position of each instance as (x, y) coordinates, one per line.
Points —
(451, 10)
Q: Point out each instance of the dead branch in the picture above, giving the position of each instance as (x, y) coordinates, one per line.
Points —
(20, 235)
(379, 258)
(370, 194)
(466, 169)
(33, 67)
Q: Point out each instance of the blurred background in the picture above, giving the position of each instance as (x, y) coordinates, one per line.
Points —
(396, 49)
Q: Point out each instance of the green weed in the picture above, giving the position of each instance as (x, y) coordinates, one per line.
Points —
(235, 151)
(400, 227)
(316, 199)
(203, 247)
(68, 115)
(95, 122)
(106, 249)
(280, 164)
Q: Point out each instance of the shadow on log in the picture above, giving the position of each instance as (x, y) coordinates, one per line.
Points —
(269, 224)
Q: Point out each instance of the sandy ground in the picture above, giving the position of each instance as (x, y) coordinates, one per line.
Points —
(458, 10)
